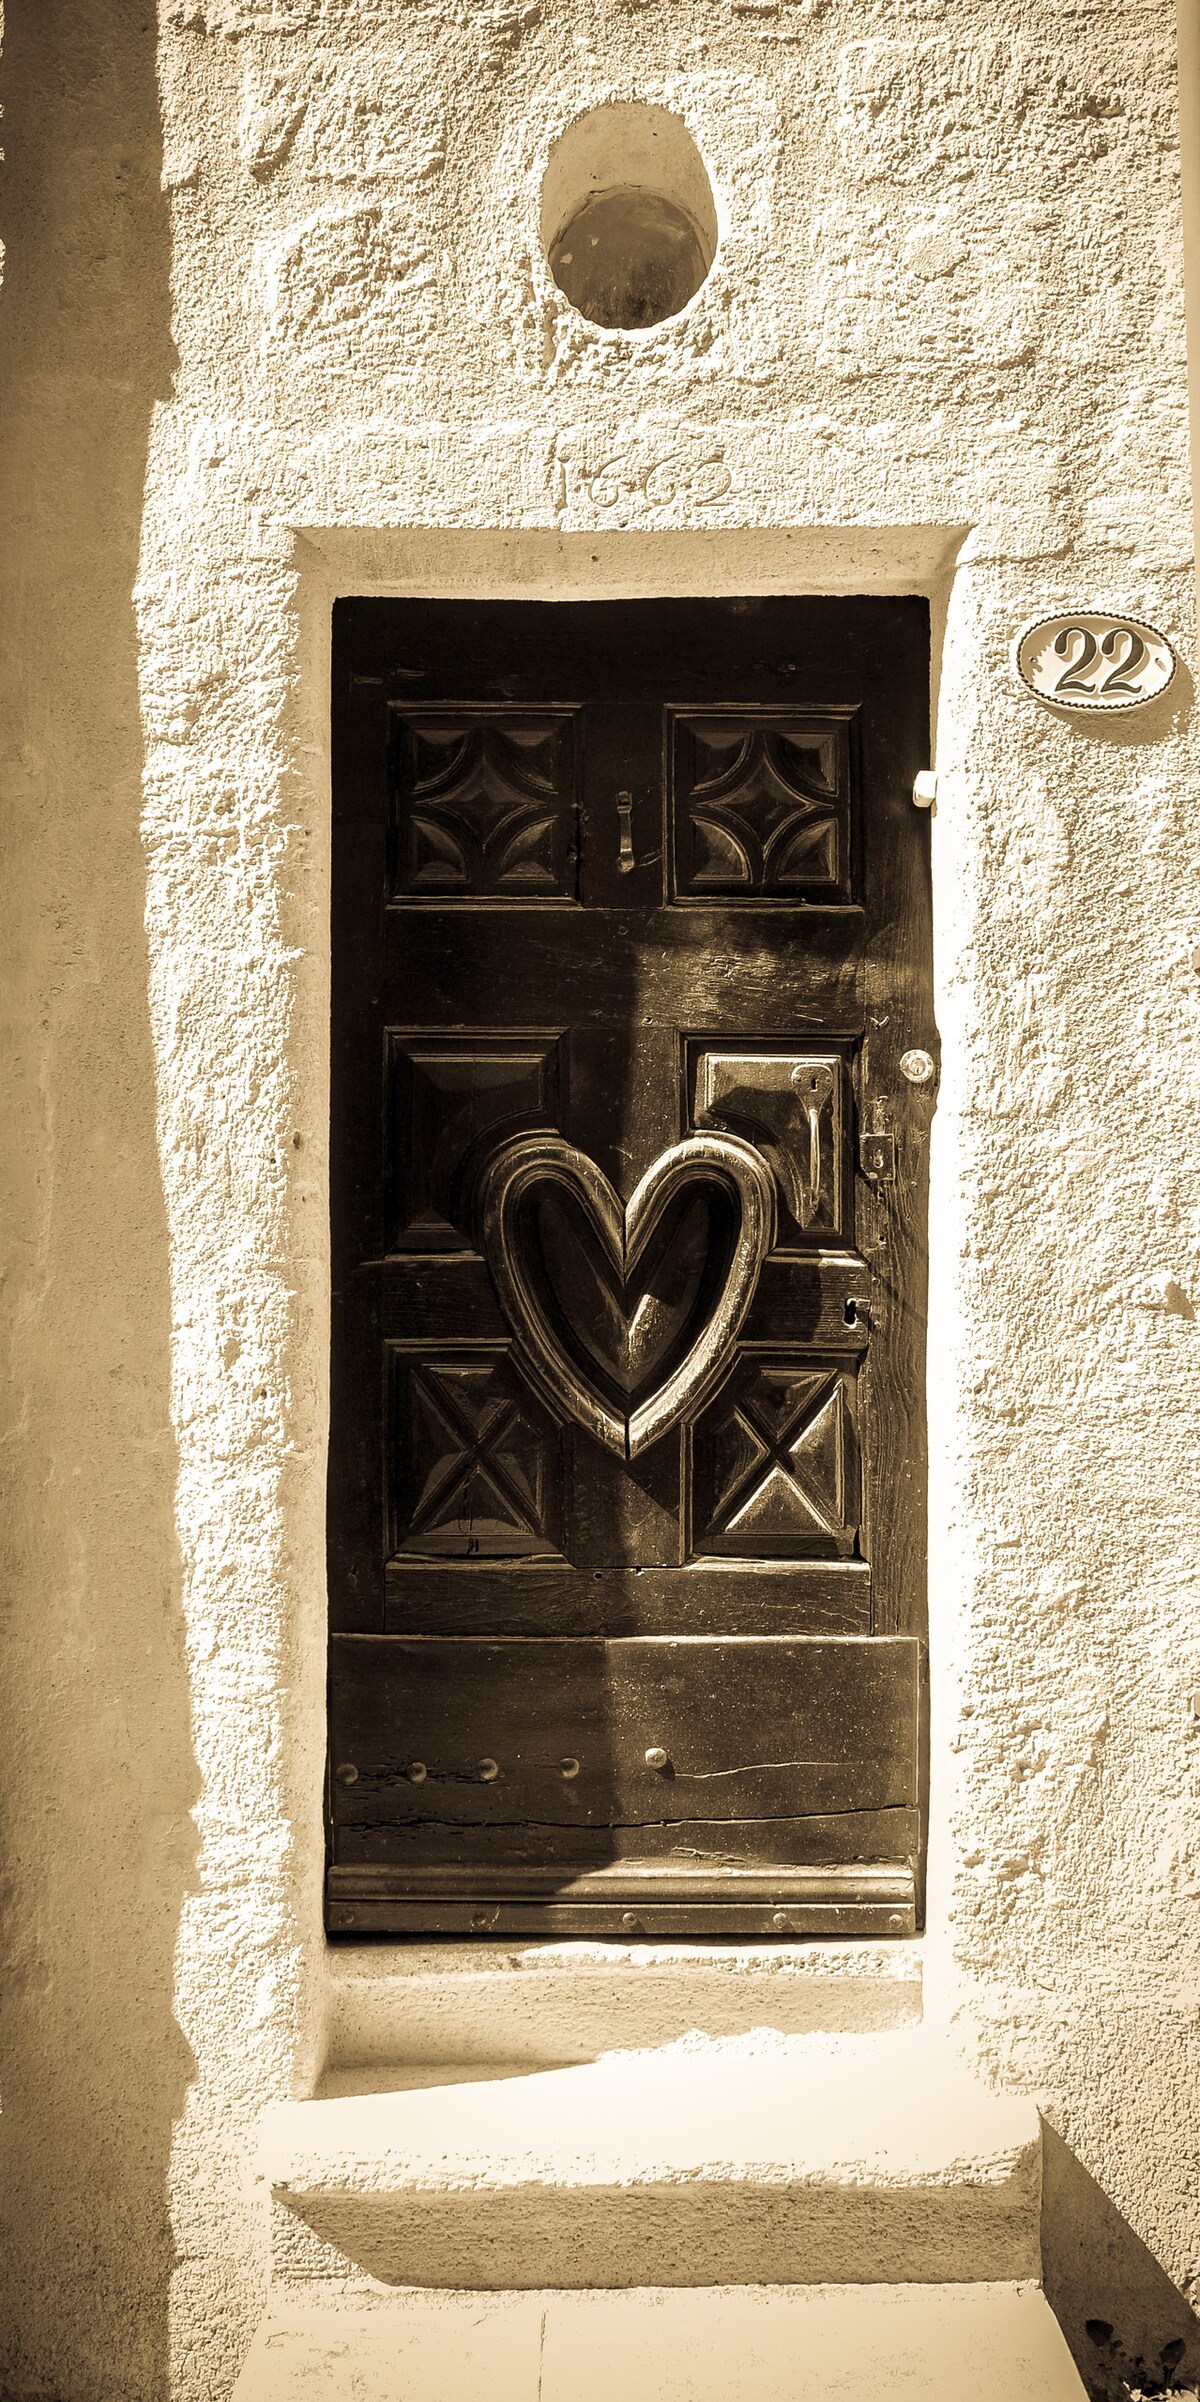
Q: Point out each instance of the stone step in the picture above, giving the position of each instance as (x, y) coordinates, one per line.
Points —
(995, 2342)
(757, 2160)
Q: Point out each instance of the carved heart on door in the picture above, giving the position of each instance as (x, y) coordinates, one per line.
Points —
(534, 1168)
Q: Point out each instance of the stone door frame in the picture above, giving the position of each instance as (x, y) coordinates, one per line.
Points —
(449, 563)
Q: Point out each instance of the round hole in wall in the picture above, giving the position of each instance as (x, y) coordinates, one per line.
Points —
(629, 223)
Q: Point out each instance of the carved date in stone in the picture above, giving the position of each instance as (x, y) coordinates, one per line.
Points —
(670, 1346)
(678, 476)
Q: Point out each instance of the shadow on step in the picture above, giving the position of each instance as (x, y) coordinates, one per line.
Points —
(1127, 2324)
(385, 2077)
(698, 2232)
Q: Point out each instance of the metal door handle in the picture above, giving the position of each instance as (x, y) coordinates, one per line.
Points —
(625, 858)
(789, 1108)
(812, 1084)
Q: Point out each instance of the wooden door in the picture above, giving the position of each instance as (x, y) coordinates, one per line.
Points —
(626, 1499)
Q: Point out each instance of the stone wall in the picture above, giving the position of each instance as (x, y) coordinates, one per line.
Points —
(278, 325)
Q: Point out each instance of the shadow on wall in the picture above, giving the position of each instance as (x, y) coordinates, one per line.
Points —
(1127, 2324)
(97, 1774)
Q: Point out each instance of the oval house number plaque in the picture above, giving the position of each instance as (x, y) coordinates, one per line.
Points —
(1092, 662)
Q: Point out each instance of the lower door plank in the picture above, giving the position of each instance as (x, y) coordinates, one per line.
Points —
(706, 1772)
(757, 1597)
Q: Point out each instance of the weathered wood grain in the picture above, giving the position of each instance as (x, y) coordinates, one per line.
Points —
(829, 1597)
(568, 1732)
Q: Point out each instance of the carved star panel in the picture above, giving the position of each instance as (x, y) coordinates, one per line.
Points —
(484, 805)
(775, 1471)
(476, 1465)
(760, 805)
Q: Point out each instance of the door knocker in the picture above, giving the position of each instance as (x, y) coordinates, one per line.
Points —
(547, 1163)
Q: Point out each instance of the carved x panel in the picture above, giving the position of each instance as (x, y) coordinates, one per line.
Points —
(760, 806)
(484, 805)
(476, 1463)
(775, 1464)
(450, 1098)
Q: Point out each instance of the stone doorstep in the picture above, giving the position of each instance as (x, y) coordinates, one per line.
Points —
(553, 2004)
(995, 2342)
(756, 2160)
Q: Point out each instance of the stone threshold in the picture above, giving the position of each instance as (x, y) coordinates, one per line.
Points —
(560, 2003)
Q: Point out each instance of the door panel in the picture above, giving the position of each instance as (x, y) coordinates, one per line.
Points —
(484, 804)
(707, 1596)
(770, 1752)
(631, 926)
(729, 956)
(760, 803)
(447, 1097)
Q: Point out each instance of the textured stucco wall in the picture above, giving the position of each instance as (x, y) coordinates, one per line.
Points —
(277, 325)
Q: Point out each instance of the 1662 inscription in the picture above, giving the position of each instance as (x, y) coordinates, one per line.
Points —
(636, 476)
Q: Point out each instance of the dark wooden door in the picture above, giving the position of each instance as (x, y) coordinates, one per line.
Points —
(630, 933)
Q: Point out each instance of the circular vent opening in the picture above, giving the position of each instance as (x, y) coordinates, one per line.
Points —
(629, 222)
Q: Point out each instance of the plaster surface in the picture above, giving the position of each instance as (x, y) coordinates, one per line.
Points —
(278, 326)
